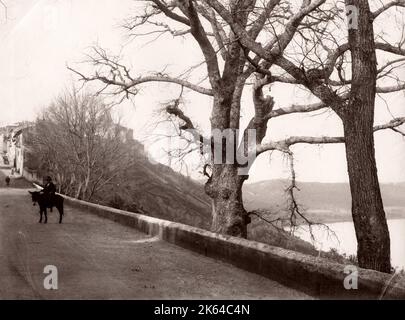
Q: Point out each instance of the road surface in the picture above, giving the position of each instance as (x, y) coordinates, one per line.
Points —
(99, 259)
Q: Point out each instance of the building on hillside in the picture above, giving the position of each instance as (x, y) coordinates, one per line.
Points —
(3, 141)
(127, 136)
(7, 148)
(18, 161)
(13, 144)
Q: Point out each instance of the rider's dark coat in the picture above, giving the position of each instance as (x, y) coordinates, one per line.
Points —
(49, 188)
(49, 192)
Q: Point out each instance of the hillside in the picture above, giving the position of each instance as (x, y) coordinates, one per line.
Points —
(157, 190)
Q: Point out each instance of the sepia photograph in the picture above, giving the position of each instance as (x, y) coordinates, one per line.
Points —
(198, 156)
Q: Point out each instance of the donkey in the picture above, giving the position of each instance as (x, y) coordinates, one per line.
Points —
(44, 203)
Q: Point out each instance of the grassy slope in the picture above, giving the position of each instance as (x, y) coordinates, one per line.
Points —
(157, 190)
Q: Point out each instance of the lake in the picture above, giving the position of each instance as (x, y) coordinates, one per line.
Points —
(346, 239)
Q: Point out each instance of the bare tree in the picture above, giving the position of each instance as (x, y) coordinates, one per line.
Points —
(355, 106)
(78, 142)
(228, 35)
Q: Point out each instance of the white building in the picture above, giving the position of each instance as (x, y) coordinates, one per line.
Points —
(12, 144)
(3, 143)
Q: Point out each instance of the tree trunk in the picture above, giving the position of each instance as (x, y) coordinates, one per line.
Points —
(225, 189)
(358, 118)
(369, 219)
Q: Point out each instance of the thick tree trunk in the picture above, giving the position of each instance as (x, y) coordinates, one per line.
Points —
(369, 219)
(225, 184)
(225, 189)
(358, 118)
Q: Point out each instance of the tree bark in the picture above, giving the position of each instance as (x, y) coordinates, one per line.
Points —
(225, 189)
(369, 219)
(224, 186)
(358, 118)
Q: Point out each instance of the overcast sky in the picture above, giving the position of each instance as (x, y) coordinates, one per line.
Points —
(41, 36)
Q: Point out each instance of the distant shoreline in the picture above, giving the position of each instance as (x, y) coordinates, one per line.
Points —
(345, 218)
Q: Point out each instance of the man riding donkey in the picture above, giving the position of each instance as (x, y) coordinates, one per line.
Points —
(49, 191)
(47, 198)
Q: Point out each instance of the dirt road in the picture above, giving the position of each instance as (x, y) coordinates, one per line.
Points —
(99, 259)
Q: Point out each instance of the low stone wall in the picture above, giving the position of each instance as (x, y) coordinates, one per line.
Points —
(318, 277)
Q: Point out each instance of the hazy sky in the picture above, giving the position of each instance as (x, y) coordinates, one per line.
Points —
(41, 36)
